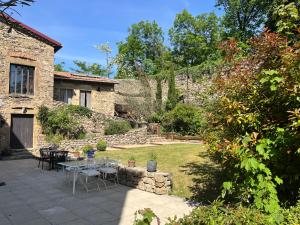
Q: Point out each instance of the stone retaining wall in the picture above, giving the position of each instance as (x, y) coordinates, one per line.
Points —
(156, 182)
(136, 136)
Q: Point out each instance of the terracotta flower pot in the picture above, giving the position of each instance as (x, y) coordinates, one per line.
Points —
(76, 154)
(131, 163)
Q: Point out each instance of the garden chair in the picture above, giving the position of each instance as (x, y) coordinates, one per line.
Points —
(45, 156)
(110, 171)
(90, 178)
(60, 156)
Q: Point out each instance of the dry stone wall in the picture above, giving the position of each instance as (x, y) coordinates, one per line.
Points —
(137, 136)
(134, 90)
(154, 182)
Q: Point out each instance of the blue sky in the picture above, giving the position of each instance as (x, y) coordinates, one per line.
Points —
(79, 24)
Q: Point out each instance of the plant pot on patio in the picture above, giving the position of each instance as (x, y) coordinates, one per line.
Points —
(131, 162)
(152, 163)
(88, 151)
(76, 154)
(90, 154)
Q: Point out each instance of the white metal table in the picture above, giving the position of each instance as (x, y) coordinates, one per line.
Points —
(77, 166)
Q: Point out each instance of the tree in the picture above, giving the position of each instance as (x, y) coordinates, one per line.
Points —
(93, 69)
(7, 8)
(243, 18)
(284, 18)
(143, 47)
(7, 5)
(172, 92)
(59, 67)
(194, 38)
(106, 49)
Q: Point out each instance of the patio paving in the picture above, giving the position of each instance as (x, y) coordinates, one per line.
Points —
(39, 197)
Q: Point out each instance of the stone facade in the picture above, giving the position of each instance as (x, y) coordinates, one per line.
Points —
(19, 48)
(102, 95)
(156, 182)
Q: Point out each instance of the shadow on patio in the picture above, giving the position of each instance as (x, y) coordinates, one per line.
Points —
(35, 196)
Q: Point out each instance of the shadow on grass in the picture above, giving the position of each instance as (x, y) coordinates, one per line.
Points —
(207, 180)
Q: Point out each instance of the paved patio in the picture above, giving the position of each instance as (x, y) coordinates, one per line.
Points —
(39, 197)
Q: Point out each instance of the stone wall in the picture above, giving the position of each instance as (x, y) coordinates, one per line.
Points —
(137, 136)
(157, 182)
(134, 90)
(19, 48)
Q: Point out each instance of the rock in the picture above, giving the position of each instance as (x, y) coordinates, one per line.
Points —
(149, 188)
(159, 178)
(159, 185)
(148, 180)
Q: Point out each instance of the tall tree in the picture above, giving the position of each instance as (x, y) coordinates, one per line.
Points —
(143, 47)
(194, 38)
(244, 18)
(89, 69)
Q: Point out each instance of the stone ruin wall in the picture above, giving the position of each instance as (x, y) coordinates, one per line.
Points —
(135, 90)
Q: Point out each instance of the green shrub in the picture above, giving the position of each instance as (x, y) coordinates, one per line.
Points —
(63, 121)
(183, 119)
(101, 145)
(87, 148)
(218, 214)
(117, 127)
(79, 110)
(291, 216)
(155, 117)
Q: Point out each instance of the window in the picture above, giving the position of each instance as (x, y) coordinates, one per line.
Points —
(65, 95)
(85, 99)
(21, 80)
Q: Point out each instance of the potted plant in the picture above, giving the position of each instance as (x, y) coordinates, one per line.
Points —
(89, 151)
(152, 163)
(76, 153)
(131, 161)
(101, 145)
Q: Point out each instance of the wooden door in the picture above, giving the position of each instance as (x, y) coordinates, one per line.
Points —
(21, 131)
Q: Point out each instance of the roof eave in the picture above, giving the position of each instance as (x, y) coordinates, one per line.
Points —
(90, 81)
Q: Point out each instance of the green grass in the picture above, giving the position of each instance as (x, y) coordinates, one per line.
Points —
(178, 159)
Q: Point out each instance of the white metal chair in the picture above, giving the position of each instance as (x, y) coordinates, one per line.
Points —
(88, 173)
(110, 171)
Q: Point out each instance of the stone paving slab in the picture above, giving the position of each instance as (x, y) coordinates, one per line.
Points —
(39, 197)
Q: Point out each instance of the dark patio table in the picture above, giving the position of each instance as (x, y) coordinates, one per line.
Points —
(55, 156)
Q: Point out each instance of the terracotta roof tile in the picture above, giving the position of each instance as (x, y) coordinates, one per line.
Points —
(83, 77)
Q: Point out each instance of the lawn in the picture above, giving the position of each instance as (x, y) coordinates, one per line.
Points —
(182, 160)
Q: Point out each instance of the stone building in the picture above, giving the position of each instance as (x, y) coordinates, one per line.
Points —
(96, 93)
(27, 81)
